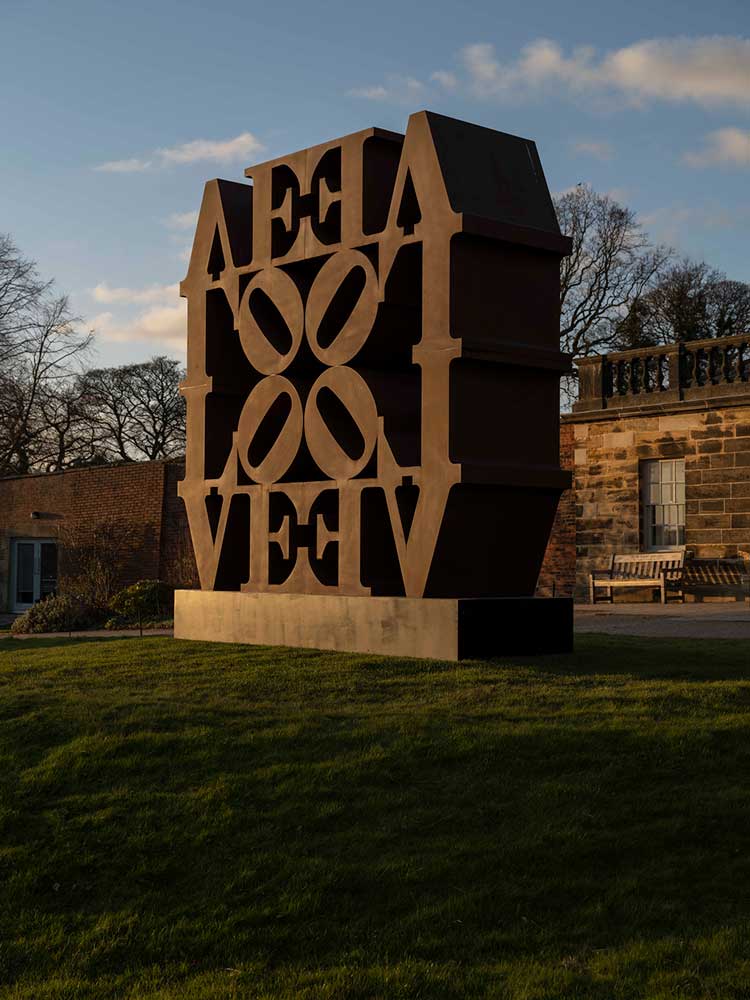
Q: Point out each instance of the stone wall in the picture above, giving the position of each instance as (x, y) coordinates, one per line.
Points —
(558, 573)
(715, 444)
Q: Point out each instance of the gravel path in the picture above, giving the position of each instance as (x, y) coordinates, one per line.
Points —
(675, 621)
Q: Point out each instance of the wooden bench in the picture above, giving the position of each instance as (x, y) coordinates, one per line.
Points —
(725, 578)
(641, 569)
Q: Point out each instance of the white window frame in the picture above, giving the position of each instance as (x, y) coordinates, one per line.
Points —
(662, 493)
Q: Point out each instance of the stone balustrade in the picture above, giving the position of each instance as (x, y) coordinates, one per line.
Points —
(665, 375)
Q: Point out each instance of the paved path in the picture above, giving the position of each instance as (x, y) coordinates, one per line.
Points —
(676, 621)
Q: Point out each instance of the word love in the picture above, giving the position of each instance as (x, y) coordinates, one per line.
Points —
(344, 381)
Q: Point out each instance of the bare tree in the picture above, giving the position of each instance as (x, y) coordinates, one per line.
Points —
(691, 301)
(44, 353)
(611, 265)
(729, 308)
(159, 413)
(68, 439)
(137, 410)
(21, 290)
(94, 557)
(53, 415)
(107, 405)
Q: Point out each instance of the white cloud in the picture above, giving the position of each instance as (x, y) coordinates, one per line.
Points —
(710, 70)
(622, 195)
(668, 223)
(677, 223)
(619, 194)
(132, 166)
(163, 325)
(181, 220)
(242, 146)
(226, 151)
(134, 296)
(446, 79)
(155, 314)
(375, 93)
(598, 148)
(566, 190)
(725, 147)
(397, 89)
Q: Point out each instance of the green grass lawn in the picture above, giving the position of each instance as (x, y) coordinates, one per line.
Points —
(191, 821)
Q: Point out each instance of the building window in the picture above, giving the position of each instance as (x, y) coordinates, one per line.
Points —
(663, 503)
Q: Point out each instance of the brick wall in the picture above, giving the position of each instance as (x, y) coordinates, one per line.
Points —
(715, 444)
(131, 496)
(558, 571)
(177, 561)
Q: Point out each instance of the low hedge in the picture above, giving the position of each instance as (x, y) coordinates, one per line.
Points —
(58, 613)
(144, 603)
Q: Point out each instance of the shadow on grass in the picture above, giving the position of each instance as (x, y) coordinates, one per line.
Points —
(541, 851)
(9, 642)
(524, 827)
(595, 655)
(640, 657)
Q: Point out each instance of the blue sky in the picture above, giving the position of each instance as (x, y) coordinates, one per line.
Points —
(114, 115)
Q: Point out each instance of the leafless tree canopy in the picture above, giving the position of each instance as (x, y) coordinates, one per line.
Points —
(690, 301)
(136, 411)
(54, 414)
(21, 290)
(41, 349)
(618, 290)
(612, 264)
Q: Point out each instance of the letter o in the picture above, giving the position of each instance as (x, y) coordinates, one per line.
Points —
(282, 452)
(358, 324)
(354, 394)
(278, 287)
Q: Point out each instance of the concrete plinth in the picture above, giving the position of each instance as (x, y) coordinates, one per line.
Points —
(435, 628)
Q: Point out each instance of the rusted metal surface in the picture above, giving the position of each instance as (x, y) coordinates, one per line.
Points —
(373, 368)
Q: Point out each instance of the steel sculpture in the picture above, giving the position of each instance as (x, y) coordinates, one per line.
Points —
(373, 372)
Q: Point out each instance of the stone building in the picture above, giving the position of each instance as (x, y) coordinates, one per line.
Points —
(659, 444)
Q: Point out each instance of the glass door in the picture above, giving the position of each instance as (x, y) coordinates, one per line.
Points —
(47, 569)
(24, 589)
(34, 571)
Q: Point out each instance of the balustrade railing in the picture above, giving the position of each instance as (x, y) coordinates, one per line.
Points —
(665, 374)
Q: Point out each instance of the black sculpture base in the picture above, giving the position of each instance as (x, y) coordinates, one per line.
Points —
(434, 628)
(522, 626)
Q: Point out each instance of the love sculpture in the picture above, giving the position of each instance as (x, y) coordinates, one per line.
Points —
(372, 397)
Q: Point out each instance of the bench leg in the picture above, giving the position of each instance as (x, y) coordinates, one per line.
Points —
(592, 589)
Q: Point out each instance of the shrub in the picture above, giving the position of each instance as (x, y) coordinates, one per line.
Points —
(144, 601)
(60, 613)
(94, 556)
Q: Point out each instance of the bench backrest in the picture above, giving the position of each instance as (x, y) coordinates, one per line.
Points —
(647, 564)
(715, 572)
